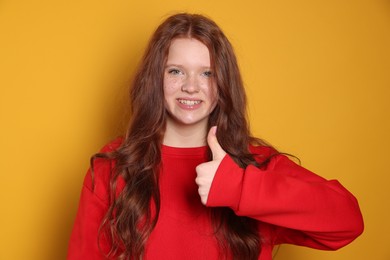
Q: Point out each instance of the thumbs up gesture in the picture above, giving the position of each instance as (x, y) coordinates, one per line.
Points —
(206, 171)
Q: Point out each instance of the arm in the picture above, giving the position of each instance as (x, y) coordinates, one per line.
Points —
(93, 205)
(83, 243)
(304, 208)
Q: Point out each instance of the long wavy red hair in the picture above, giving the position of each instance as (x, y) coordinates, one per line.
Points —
(133, 213)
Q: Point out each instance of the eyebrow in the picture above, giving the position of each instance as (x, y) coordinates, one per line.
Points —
(173, 65)
(181, 66)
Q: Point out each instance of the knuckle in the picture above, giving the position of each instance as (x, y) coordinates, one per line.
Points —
(199, 168)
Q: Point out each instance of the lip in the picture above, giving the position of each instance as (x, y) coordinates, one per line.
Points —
(191, 106)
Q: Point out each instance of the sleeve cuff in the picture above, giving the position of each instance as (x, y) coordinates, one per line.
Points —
(226, 188)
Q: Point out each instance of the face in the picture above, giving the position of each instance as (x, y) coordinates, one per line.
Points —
(189, 85)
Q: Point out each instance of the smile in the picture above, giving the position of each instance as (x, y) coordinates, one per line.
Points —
(189, 102)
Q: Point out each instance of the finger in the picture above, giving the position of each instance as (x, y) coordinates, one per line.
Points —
(216, 149)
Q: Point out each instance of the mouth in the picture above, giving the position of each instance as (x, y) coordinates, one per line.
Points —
(189, 102)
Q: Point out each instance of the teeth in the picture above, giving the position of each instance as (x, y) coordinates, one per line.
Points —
(189, 102)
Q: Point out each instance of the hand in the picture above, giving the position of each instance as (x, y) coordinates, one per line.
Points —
(206, 171)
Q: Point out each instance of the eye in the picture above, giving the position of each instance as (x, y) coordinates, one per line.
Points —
(207, 74)
(174, 72)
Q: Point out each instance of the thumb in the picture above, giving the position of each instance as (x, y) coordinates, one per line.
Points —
(212, 141)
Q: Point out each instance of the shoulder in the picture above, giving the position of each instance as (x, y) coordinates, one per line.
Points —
(112, 145)
(97, 179)
(269, 158)
(262, 150)
(278, 162)
(263, 153)
(103, 158)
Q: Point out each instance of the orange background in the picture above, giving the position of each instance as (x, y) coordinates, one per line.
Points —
(316, 73)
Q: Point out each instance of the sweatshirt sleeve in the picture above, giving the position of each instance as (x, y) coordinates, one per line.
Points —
(304, 208)
(93, 205)
(83, 243)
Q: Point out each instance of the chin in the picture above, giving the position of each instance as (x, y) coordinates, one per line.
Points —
(191, 122)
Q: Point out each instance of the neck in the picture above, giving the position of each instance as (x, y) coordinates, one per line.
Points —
(179, 135)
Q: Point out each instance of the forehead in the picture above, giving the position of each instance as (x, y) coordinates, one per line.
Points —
(188, 50)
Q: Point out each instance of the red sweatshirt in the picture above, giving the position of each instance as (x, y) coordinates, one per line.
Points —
(292, 205)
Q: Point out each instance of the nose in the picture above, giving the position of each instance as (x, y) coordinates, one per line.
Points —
(190, 84)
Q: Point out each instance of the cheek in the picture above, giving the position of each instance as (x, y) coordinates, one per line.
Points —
(171, 85)
(211, 92)
(214, 99)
